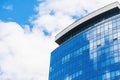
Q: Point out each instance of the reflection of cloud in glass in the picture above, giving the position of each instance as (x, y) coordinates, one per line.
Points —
(103, 39)
(68, 78)
(97, 39)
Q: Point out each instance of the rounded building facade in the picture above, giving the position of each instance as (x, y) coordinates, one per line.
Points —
(92, 52)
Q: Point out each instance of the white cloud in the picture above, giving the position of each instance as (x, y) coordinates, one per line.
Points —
(52, 23)
(25, 55)
(8, 7)
(63, 12)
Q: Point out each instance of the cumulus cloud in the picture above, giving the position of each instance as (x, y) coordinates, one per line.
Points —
(25, 54)
(54, 15)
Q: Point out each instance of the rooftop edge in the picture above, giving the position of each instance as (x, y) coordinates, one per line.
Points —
(86, 18)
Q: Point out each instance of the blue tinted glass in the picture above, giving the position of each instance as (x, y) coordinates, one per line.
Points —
(93, 54)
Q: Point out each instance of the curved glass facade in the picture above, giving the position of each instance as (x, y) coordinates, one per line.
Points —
(93, 54)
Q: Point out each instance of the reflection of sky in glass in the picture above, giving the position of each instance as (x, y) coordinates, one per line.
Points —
(91, 55)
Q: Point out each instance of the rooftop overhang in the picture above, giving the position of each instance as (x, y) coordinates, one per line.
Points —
(59, 38)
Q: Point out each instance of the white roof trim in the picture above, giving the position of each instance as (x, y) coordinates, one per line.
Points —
(89, 16)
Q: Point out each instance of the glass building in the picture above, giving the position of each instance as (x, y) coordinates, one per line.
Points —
(89, 48)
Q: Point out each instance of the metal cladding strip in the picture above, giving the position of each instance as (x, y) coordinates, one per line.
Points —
(89, 16)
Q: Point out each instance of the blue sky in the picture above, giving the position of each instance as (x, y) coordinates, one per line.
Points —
(17, 10)
(27, 33)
